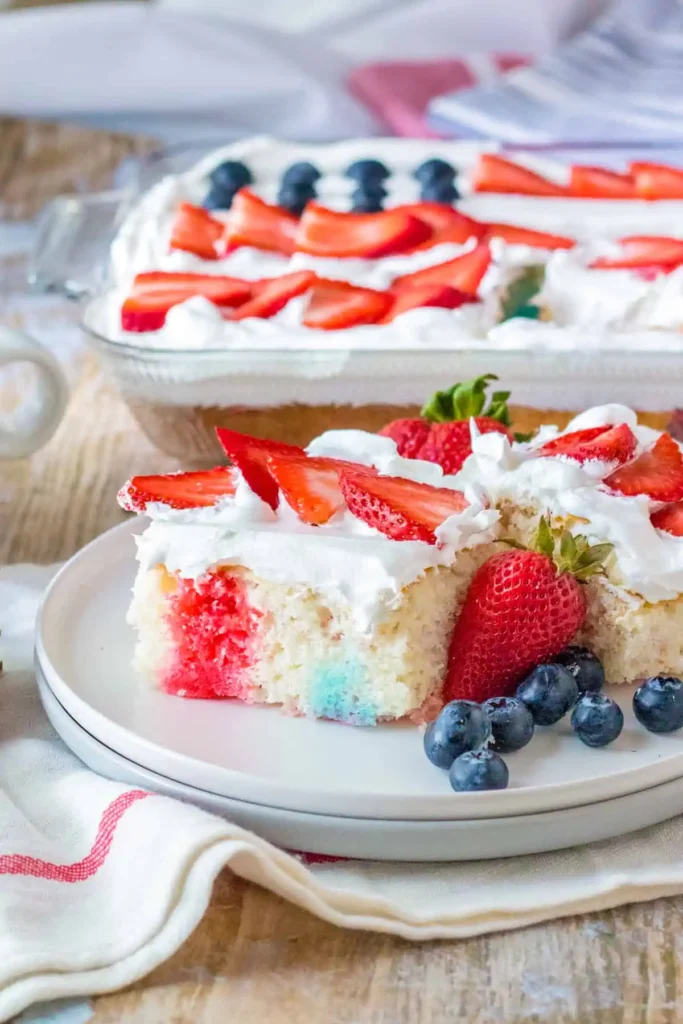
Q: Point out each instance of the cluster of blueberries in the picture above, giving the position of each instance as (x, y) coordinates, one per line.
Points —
(467, 738)
(298, 182)
(226, 179)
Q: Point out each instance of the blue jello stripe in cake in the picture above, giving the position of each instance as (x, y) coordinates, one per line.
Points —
(334, 690)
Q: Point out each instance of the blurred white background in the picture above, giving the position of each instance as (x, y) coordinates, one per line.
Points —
(189, 68)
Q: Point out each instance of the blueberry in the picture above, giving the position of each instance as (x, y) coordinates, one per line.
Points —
(434, 170)
(363, 171)
(658, 704)
(439, 192)
(549, 692)
(461, 726)
(302, 173)
(231, 175)
(295, 197)
(218, 198)
(368, 198)
(584, 666)
(478, 769)
(512, 725)
(596, 719)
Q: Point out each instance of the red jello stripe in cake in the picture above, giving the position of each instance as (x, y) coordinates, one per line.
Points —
(215, 631)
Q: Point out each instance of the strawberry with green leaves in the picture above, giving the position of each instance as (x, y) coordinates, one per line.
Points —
(442, 434)
(522, 608)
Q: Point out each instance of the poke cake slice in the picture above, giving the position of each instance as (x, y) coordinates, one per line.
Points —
(325, 581)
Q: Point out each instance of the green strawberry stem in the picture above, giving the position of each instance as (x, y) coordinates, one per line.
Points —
(574, 554)
(462, 401)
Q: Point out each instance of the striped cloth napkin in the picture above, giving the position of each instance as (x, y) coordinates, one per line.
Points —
(618, 82)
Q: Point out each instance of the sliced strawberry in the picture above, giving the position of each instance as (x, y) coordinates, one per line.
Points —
(256, 223)
(657, 181)
(270, 295)
(448, 225)
(440, 295)
(515, 235)
(334, 305)
(496, 174)
(141, 320)
(310, 485)
(669, 519)
(154, 293)
(643, 251)
(195, 230)
(654, 270)
(401, 509)
(179, 490)
(599, 183)
(439, 216)
(465, 272)
(658, 473)
(595, 444)
(324, 232)
(250, 455)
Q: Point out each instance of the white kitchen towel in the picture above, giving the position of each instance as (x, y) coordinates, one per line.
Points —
(99, 883)
(618, 82)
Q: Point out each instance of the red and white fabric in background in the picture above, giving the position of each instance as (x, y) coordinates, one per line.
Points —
(398, 92)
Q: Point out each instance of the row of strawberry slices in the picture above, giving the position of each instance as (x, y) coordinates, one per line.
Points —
(642, 180)
(332, 233)
(330, 304)
(317, 487)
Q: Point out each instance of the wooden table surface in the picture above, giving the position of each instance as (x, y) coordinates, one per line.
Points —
(256, 958)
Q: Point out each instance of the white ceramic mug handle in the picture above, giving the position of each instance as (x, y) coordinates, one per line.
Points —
(36, 420)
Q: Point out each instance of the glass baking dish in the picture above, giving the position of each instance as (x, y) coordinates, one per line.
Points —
(179, 396)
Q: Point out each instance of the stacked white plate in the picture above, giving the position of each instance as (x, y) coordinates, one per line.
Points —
(318, 786)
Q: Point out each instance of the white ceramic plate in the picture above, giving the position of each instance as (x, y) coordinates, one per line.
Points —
(259, 755)
(386, 839)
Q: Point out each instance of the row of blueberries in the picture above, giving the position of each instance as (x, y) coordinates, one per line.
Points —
(298, 184)
(467, 738)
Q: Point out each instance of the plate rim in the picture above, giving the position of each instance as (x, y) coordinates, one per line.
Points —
(331, 827)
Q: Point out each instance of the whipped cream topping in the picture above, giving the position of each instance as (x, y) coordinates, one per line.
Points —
(575, 294)
(345, 559)
(646, 562)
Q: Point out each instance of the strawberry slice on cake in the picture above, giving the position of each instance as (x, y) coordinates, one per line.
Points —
(334, 305)
(195, 230)
(154, 293)
(324, 232)
(496, 174)
(254, 222)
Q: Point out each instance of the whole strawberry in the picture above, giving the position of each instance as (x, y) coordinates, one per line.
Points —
(442, 434)
(522, 608)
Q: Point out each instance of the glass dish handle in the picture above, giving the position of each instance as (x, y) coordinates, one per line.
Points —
(70, 253)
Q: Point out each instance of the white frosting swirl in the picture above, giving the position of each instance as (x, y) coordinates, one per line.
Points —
(647, 562)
